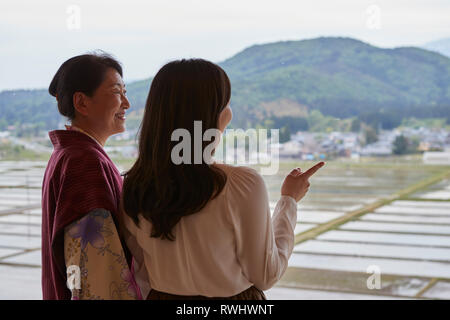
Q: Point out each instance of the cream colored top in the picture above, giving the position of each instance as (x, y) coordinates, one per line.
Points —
(228, 246)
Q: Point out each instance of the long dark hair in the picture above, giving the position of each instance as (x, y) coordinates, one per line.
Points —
(83, 73)
(182, 92)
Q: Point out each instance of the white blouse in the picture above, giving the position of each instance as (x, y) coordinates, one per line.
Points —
(222, 250)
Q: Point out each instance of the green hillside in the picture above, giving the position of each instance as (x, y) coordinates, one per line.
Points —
(35, 107)
(341, 77)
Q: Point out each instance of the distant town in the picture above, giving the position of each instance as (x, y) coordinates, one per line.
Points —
(310, 146)
(434, 144)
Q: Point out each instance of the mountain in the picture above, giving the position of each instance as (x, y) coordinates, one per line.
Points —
(28, 106)
(341, 77)
(442, 46)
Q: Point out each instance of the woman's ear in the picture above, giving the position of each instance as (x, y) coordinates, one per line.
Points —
(80, 103)
(224, 118)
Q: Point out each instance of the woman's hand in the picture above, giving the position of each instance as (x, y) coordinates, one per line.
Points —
(296, 184)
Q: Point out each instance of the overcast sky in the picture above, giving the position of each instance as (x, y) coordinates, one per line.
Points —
(37, 36)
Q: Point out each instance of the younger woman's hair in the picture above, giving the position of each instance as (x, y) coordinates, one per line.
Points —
(182, 92)
(82, 73)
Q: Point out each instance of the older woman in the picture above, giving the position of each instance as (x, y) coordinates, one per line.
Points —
(82, 252)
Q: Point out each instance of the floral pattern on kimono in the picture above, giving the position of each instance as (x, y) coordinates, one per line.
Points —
(95, 260)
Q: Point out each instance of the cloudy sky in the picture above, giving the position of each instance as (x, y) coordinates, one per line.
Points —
(37, 36)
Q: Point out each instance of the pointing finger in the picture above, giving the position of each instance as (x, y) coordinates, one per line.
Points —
(308, 173)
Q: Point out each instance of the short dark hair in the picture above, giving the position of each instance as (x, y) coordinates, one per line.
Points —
(83, 73)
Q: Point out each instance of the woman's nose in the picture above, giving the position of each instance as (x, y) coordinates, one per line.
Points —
(125, 102)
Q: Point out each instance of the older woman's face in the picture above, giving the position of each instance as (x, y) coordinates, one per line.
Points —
(108, 105)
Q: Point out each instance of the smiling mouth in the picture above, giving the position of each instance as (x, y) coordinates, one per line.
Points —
(120, 116)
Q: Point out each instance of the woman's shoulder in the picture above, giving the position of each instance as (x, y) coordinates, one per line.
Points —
(74, 163)
(241, 176)
(245, 192)
(237, 170)
(88, 157)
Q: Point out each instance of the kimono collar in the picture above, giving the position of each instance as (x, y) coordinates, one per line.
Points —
(72, 127)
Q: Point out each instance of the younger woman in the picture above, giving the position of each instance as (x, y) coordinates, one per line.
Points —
(202, 230)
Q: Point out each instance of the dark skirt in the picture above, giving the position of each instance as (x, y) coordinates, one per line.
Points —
(251, 293)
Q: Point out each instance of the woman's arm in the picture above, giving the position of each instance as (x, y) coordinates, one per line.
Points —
(129, 231)
(263, 244)
(96, 264)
